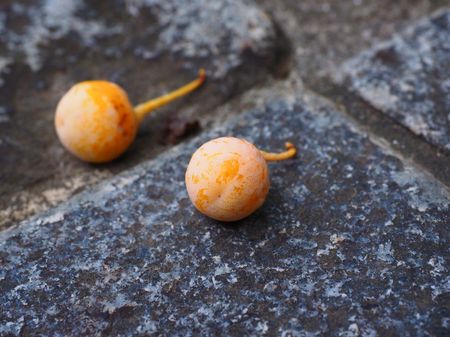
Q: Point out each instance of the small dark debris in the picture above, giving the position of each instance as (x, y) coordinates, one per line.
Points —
(179, 128)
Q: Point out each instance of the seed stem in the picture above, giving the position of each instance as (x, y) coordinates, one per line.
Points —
(289, 153)
(143, 109)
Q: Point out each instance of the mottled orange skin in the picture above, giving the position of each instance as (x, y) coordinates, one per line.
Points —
(227, 179)
(95, 121)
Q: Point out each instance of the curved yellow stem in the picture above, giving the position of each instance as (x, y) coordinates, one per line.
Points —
(143, 109)
(289, 153)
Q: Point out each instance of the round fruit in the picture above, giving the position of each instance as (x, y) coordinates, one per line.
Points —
(96, 122)
(227, 178)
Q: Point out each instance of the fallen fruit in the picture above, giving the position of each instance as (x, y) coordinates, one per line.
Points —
(227, 178)
(96, 122)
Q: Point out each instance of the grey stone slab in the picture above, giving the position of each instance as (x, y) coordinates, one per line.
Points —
(214, 33)
(325, 33)
(148, 47)
(408, 78)
(351, 242)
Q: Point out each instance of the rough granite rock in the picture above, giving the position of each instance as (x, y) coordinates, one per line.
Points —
(148, 47)
(325, 33)
(195, 32)
(352, 241)
(408, 78)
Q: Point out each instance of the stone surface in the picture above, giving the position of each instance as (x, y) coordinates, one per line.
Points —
(148, 47)
(197, 33)
(408, 78)
(325, 33)
(352, 241)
